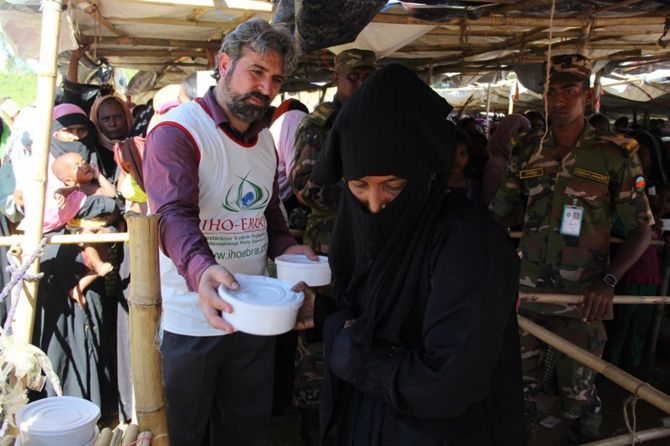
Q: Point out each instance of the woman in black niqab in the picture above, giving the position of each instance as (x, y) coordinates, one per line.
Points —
(426, 286)
(77, 339)
(406, 135)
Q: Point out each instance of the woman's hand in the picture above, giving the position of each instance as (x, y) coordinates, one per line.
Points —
(345, 357)
(301, 249)
(305, 319)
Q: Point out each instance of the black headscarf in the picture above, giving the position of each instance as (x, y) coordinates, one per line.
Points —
(394, 124)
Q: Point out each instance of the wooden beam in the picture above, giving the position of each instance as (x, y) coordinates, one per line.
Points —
(617, 5)
(219, 33)
(521, 6)
(463, 49)
(146, 41)
(117, 52)
(253, 5)
(494, 21)
(174, 22)
(442, 31)
(197, 13)
(573, 22)
(565, 34)
(92, 8)
(131, 64)
(209, 4)
(526, 39)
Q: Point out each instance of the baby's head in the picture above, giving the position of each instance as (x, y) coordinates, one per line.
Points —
(72, 169)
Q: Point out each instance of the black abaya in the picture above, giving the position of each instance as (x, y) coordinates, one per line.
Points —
(77, 341)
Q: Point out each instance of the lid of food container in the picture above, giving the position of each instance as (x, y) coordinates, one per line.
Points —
(261, 291)
(302, 260)
(56, 415)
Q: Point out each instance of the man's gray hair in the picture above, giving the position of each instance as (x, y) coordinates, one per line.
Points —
(261, 36)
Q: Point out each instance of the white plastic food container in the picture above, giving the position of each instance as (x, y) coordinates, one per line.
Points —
(293, 268)
(262, 306)
(58, 421)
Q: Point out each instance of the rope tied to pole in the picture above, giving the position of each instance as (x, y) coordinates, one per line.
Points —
(631, 402)
(630, 405)
(547, 75)
(21, 365)
(18, 275)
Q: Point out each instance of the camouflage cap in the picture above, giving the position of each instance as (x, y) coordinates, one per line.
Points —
(355, 59)
(569, 67)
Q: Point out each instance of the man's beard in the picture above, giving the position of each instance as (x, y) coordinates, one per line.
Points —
(236, 103)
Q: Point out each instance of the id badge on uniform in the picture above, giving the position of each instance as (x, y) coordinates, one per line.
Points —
(571, 223)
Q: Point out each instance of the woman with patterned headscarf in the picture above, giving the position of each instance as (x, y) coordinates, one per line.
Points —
(424, 348)
(113, 119)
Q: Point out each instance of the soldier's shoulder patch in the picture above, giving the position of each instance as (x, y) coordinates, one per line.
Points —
(629, 145)
(640, 184)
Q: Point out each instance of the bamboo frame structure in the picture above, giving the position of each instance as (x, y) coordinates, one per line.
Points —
(145, 300)
(638, 388)
(625, 439)
(144, 304)
(576, 299)
(70, 239)
(22, 325)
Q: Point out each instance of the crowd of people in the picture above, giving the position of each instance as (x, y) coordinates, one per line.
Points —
(415, 341)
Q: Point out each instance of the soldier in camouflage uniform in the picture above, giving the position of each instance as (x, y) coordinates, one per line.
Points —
(574, 183)
(352, 67)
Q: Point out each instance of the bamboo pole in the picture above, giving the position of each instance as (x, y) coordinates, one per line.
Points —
(518, 234)
(488, 104)
(167, 52)
(638, 388)
(598, 92)
(151, 41)
(625, 439)
(577, 299)
(144, 306)
(22, 325)
(510, 99)
(499, 21)
(70, 239)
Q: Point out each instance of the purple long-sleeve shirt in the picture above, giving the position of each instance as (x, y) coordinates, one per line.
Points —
(171, 180)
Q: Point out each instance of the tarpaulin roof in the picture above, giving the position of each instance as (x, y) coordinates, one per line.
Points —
(478, 39)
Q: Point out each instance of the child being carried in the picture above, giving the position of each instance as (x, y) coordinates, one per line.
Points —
(86, 205)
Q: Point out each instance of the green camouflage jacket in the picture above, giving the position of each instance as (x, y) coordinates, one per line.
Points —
(322, 200)
(600, 176)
